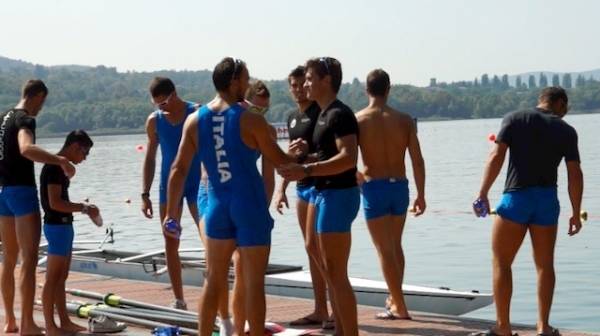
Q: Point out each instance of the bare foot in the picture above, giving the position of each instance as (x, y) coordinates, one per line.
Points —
(31, 330)
(10, 327)
(72, 327)
(57, 332)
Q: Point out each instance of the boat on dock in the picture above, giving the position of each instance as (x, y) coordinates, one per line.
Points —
(282, 280)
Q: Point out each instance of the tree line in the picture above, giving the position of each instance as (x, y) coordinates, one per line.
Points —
(103, 99)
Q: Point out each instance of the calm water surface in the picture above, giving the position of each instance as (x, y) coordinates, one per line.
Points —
(445, 247)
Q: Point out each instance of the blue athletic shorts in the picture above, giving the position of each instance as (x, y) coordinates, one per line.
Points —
(534, 205)
(202, 200)
(190, 193)
(383, 197)
(306, 193)
(60, 238)
(17, 201)
(238, 217)
(336, 209)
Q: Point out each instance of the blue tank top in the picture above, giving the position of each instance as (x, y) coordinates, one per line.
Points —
(230, 164)
(169, 137)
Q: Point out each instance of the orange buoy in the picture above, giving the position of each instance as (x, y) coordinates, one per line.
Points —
(492, 137)
(139, 148)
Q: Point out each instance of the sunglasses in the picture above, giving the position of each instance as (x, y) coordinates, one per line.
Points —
(237, 63)
(162, 103)
(324, 61)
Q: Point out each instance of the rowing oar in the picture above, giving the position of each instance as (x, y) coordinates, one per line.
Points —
(116, 301)
(173, 320)
(86, 311)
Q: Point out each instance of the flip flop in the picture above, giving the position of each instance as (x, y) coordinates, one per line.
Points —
(488, 332)
(553, 332)
(389, 315)
(304, 321)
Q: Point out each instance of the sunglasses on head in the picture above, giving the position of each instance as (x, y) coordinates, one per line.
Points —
(324, 61)
(237, 63)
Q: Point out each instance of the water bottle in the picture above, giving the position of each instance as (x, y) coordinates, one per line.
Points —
(172, 228)
(481, 209)
(166, 331)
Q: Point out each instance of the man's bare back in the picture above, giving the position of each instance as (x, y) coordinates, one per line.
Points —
(385, 135)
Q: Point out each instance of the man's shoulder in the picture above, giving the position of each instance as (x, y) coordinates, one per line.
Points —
(51, 170)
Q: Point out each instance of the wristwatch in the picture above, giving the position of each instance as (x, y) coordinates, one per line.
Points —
(145, 194)
(85, 209)
(307, 168)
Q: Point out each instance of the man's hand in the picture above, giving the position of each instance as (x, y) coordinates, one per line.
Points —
(298, 148)
(574, 225)
(93, 211)
(419, 206)
(292, 172)
(67, 167)
(147, 207)
(280, 201)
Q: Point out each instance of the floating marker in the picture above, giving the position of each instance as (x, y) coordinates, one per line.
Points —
(492, 137)
(139, 148)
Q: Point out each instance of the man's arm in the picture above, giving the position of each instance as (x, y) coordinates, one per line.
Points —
(418, 164)
(31, 151)
(56, 203)
(149, 165)
(180, 167)
(344, 160)
(492, 169)
(266, 142)
(575, 177)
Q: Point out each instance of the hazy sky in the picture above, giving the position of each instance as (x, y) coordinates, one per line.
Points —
(413, 40)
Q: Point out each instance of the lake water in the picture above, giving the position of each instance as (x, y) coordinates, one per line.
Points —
(445, 247)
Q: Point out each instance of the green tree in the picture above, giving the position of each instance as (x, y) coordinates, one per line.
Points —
(566, 81)
(555, 80)
(518, 82)
(543, 80)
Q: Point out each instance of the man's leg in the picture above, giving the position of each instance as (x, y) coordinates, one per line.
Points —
(386, 233)
(238, 301)
(335, 248)
(255, 260)
(218, 255)
(224, 297)
(10, 249)
(28, 230)
(61, 303)
(54, 275)
(543, 239)
(172, 255)
(507, 237)
(306, 220)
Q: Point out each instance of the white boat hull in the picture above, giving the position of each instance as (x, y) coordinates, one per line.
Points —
(295, 283)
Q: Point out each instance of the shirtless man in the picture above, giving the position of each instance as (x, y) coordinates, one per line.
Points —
(229, 140)
(385, 136)
(20, 222)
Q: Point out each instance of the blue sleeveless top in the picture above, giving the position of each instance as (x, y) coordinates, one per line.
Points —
(230, 164)
(169, 137)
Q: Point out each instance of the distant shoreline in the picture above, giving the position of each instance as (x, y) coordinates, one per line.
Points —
(136, 131)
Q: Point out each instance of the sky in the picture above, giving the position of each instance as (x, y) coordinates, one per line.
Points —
(414, 40)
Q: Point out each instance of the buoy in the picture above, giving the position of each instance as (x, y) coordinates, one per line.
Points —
(127, 200)
(86, 200)
(492, 137)
(584, 215)
(139, 148)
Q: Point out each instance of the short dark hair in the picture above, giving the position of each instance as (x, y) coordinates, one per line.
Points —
(552, 94)
(80, 137)
(257, 89)
(297, 72)
(33, 87)
(161, 86)
(226, 71)
(324, 66)
(378, 83)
